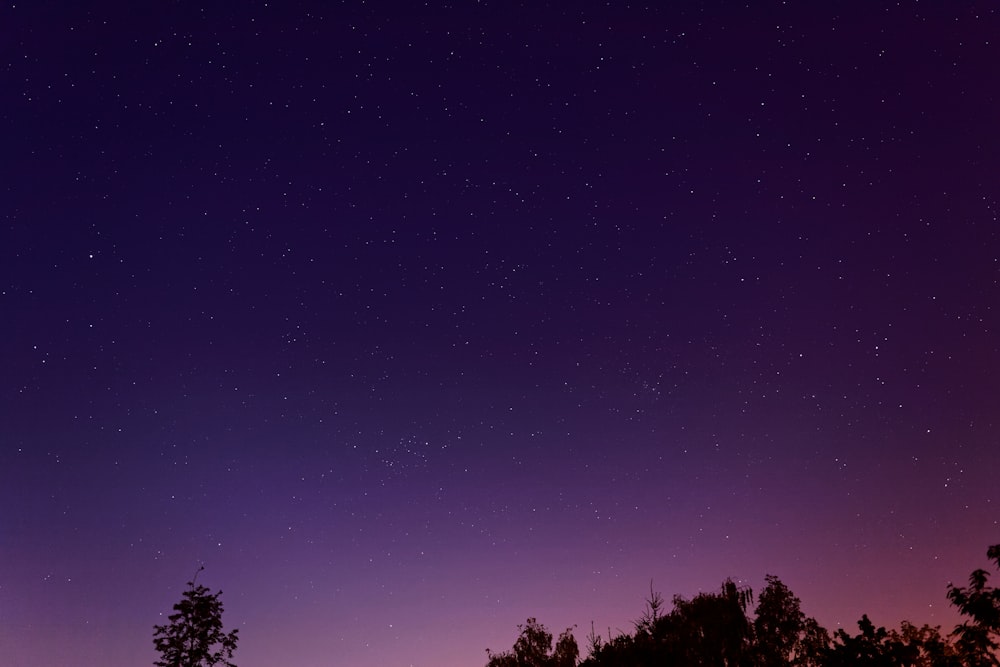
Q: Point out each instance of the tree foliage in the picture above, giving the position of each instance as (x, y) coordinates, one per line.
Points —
(194, 637)
(910, 646)
(717, 630)
(710, 629)
(783, 634)
(925, 647)
(871, 647)
(533, 648)
(977, 637)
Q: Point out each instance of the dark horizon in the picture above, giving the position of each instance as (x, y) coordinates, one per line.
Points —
(413, 322)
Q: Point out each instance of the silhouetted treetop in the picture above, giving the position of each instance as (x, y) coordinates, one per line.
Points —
(977, 637)
(533, 648)
(194, 637)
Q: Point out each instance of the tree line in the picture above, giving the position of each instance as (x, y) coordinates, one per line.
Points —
(709, 630)
(719, 630)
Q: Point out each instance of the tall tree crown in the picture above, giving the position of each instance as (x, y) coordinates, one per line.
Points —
(193, 637)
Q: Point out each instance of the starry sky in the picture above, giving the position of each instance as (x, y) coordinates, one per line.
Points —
(411, 320)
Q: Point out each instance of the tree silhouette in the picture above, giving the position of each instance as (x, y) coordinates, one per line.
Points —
(566, 652)
(711, 629)
(783, 635)
(194, 636)
(877, 647)
(872, 647)
(714, 630)
(925, 647)
(651, 614)
(977, 637)
(533, 646)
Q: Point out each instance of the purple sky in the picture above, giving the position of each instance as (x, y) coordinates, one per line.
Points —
(412, 321)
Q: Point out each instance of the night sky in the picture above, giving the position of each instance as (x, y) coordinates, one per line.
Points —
(411, 320)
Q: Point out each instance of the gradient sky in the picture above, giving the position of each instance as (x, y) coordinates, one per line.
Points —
(412, 320)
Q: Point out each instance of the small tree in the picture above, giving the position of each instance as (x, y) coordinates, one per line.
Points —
(533, 648)
(194, 636)
(651, 615)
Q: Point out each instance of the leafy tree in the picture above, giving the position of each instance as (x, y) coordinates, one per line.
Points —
(194, 636)
(978, 637)
(814, 641)
(710, 629)
(533, 648)
(924, 646)
(783, 635)
(910, 646)
(871, 647)
(566, 652)
(623, 650)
